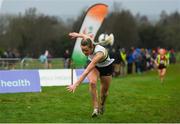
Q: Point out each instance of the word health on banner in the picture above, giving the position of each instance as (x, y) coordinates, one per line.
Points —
(19, 81)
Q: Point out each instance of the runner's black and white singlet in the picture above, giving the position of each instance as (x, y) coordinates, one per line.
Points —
(107, 61)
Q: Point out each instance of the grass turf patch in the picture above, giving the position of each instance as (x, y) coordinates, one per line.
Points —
(134, 98)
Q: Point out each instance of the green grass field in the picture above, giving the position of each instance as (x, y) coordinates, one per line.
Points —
(135, 98)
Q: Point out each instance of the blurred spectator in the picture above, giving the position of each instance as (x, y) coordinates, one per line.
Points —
(149, 64)
(138, 57)
(48, 63)
(172, 57)
(67, 60)
(143, 62)
(43, 59)
(123, 63)
(153, 56)
(116, 64)
(11, 56)
(130, 61)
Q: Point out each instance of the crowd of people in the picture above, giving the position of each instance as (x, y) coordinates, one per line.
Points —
(127, 61)
(136, 60)
(11, 57)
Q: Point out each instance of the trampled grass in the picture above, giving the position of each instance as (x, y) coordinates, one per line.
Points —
(134, 98)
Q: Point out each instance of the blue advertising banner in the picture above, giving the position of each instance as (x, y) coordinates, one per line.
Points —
(19, 81)
(79, 72)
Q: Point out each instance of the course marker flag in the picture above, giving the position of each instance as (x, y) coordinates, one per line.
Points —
(91, 24)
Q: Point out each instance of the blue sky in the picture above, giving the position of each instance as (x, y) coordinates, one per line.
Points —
(72, 8)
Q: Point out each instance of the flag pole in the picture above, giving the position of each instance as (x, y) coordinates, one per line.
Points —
(72, 66)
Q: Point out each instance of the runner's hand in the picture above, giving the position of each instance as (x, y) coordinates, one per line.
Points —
(73, 35)
(71, 88)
